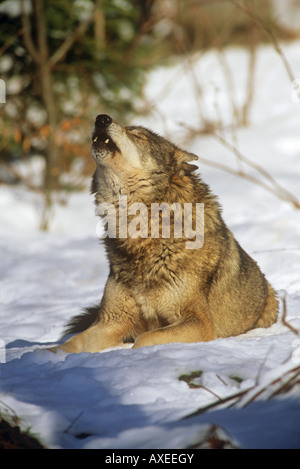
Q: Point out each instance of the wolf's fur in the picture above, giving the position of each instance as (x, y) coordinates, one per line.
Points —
(158, 291)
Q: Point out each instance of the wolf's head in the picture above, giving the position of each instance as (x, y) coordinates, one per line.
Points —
(135, 155)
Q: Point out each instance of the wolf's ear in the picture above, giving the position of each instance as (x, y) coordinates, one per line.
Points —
(191, 157)
(185, 156)
(183, 159)
(188, 168)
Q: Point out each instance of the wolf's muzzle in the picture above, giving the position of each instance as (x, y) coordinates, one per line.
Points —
(103, 145)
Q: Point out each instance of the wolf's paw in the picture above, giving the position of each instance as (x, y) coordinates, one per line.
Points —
(58, 349)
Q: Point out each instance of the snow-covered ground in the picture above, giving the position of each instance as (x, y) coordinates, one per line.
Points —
(127, 398)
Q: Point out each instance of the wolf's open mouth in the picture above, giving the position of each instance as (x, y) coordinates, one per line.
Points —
(102, 139)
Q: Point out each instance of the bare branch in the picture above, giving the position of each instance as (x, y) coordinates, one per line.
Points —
(250, 80)
(41, 30)
(281, 192)
(245, 8)
(145, 27)
(10, 41)
(61, 52)
(242, 174)
(283, 319)
(99, 26)
(272, 185)
(27, 35)
(12, 169)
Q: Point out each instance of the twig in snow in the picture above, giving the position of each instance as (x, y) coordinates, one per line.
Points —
(283, 319)
(261, 366)
(280, 384)
(73, 422)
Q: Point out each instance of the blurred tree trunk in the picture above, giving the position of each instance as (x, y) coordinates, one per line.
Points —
(99, 26)
(47, 94)
(52, 156)
(39, 52)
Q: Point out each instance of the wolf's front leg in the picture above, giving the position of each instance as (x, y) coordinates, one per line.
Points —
(96, 338)
(117, 320)
(187, 330)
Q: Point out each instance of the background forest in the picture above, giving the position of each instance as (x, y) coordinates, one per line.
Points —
(63, 62)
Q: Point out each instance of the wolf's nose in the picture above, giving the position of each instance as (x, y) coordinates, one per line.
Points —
(103, 120)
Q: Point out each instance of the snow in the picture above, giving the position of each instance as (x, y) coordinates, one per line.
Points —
(133, 398)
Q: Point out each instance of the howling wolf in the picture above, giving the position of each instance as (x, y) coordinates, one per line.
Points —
(160, 289)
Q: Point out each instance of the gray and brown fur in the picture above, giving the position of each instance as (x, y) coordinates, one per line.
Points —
(158, 291)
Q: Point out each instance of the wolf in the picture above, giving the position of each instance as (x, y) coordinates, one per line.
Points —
(158, 290)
